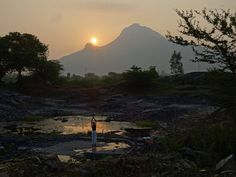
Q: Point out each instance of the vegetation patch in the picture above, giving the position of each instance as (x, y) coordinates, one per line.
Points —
(146, 123)
(211, 142)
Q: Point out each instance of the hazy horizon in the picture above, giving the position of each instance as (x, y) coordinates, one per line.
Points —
(67, 25)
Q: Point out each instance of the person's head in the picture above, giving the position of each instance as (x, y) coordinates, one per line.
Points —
(93, 115)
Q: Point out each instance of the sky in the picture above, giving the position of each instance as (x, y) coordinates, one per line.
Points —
(67, 25)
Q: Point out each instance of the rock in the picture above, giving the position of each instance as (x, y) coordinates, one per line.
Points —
(187, 151)
(37, 159)
(14, 107)
(64, 120)
(4, 174)
(109, 119)
(163, 125)
(168, 157)
(153, 110)
(52, 161)
(22, 148)
(203, 171)
(84, 173)
(223, 162)
(137, 102)
(188, 164)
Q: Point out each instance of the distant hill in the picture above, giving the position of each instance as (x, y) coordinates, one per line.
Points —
(136, 45)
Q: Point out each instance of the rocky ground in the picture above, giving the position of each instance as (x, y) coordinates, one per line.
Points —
(15, 106)
(150, 163)
(173, 114)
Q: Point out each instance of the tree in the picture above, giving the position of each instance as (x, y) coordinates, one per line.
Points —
(176, 66)
(223, 91)
(91, 76)
(112, 79)
(136, 78)
(21, 51)
(217, 39)
(4, 66)
(47, 70)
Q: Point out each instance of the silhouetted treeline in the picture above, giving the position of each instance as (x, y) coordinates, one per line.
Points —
(24, 54)
(134, 78)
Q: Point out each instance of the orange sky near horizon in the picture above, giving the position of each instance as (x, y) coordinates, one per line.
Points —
(67, 25)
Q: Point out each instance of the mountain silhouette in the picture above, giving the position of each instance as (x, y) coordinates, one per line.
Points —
(136, 45)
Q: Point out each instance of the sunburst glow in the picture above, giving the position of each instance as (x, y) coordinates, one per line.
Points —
(94, 40)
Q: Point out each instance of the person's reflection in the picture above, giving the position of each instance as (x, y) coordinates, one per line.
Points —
(94, 149)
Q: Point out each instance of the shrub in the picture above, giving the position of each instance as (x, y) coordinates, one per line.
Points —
(136, 78)
(223, 90)
(213, 142)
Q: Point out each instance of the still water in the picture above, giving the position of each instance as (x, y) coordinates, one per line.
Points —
(65, 125)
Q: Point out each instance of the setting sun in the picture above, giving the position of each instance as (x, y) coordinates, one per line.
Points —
(94, 40)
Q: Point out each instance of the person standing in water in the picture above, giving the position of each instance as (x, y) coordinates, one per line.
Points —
(94, 134)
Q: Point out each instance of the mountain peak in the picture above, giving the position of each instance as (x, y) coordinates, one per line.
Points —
(139, 32)
(136, 45)
(134, 25)
(136, 28)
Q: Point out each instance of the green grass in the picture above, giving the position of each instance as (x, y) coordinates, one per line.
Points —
(146, 123)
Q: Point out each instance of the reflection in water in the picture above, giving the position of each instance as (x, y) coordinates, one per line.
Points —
(115, 147)
(70, 152)
(102, 127)
(79, 147)
(94, 149)
(73, 125)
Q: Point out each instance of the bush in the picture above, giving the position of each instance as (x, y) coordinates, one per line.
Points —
(223, 91)
(136, 78)
(47, 70)
(218, 141)
(88, 81)
(214, 142)
(112, 79)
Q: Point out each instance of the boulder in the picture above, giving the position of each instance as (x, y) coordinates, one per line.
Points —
(222, 163)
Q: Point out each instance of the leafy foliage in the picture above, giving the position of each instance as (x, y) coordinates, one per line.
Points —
(25, 53)
(212, 142)
(176, 65)
(20, 51)
(215, 140)
(112, 79)
(4, 66)
(136, 78)
(47, 70)
(90, 80)
(217, 39)
(223, 91)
